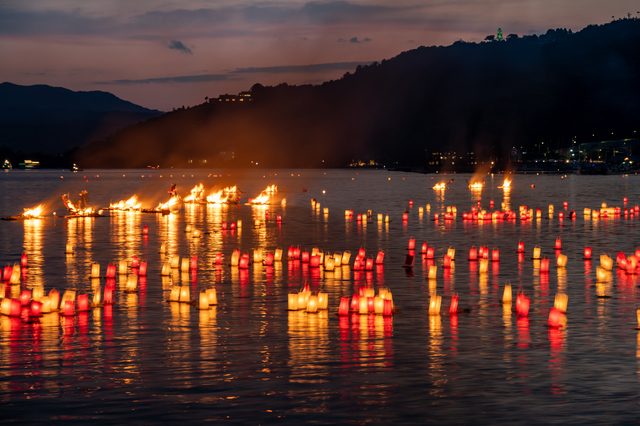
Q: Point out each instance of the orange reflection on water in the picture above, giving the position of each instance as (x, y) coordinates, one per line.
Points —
(308, 347)
(33, 248)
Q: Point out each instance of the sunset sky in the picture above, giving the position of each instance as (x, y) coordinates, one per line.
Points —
(165, 54)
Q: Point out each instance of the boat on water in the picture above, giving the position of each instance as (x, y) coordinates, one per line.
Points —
(7, 165)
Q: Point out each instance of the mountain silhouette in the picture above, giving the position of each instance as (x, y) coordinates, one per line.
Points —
(52, 120)
(488, 98)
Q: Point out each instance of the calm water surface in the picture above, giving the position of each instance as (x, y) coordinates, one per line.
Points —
(251, 361)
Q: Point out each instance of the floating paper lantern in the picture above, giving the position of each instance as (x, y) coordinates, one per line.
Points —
(430, 253)
(108, 295)
(363, 307)
(185, 295)
(69, 295)
(520, 247)
(277, 256)
(451, 252)
(257, 256)
(224, 226)
(386, 219)
(135, 263)
(232, 226)
(323, 301)
(359, 218)
(38, 292)
(23, 259)
(185, 265)
(423, 250)
(25, 297)
(212, 296)
(132, 283)
(447, 261)
(166, 269)
(380, 258)
(558, 245)
(405, 217)
(536, 252)
(293, 302)
(5, 306)
(36, 309)
(561, 261)
(69, 249)
(122, 267)
(337, 259)
(174, 296)
(235, 258)
(522, 305)
(145, 230)
(551, 208)
(111, 271)
(244, 261)
(453, 307)
(83, 302)
(554, 318)
(7, 272)
(314, 262)
(346, 256)
(507, 295)
(473, 253)
(54, 297)
(15, 274)
(544, 265)
(560, 302)
(203, 300)
(355, 302)
(343, 308)
(606, 262)
(142, 271)
(268, 261)
(412, 244)
(239, 223)
(434, 305)
(495, 255)
(587, 253)
(68, 308)
(312, 304)
(304, 257)
(601, 274)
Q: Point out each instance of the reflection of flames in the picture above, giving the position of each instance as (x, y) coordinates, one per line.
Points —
(440, 186)
(130, 204)
(224, 196)
(265, 196)
(34, 212)
(167, 206)
(476, 186)
(197, 194)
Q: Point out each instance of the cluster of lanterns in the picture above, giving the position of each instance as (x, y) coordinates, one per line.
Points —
(365, 302)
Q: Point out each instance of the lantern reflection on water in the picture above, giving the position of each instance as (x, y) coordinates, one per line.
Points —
(83, 302)
(15, 274)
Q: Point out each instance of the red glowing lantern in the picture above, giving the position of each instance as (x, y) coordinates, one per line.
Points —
(522, 305)
(108, 295)
(145, 230)
(111, 271)
(232, 226)
(412, 244)
(143, 269)
(473, 253)
(436, 217)
(296, 253)
(134, 262)
(495, 255)
(453, 308)
(405, 217)
(16, 307)
(25, 297)
(36, 308)
(561, 215)
(520, 247)
(481, 252)
(268, 261)
(290, 252)
(410, 203)
(279, 218)
(224, 226)
(6, 275)
(430, 253)
(380, 258)
(491, 203)
(305, 257)
(624, 200)
(369, 264)
(565, 204)
(218, 260)
(69, 308)
(355, 302)
(447, 261)
(83, 302)
(266, 214)
(558, 245)
(554, 318)
(23, 260)
(587, 253)
(244, 261)
(387, 309)
(544, 265)
(424, 248)
(314, 262)
(359, 218)
(361, 253)
(343, 309)
(194, 262)
(371, 306)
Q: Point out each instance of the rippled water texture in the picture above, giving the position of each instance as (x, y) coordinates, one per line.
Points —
(252, 361)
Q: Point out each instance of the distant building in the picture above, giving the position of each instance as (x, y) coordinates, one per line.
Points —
(240, 97)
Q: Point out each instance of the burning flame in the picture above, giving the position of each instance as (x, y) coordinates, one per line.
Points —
(226, 195)
(265, 196)
(197, 194)
(77, 210)
(476, 186)
(128, 205)
(440, 186)
(506, 185)
(33, 212)
(167, 206)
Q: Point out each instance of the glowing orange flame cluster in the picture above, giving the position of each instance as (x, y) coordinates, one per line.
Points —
(76, 210)
(506, 185)
(33, 212)
(128, 205)
(265, 196)
(476, 186)
(173, 201)
(440, 186)
(224, 196)
(196, 195)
